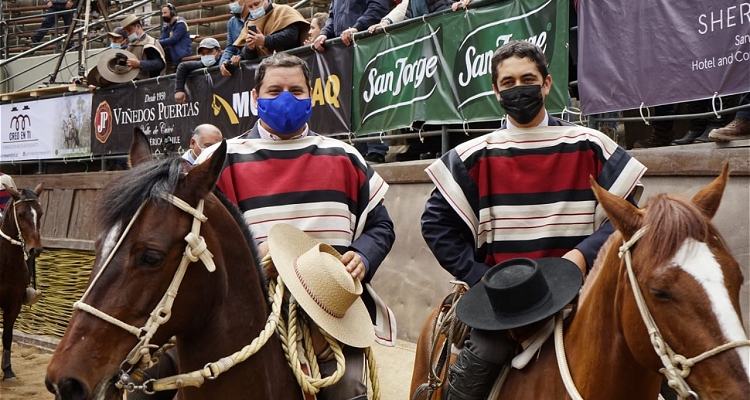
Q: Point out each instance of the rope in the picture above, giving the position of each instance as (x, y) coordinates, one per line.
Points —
(295, 335)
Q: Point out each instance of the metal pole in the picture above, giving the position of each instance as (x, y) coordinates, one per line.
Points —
(445, 143)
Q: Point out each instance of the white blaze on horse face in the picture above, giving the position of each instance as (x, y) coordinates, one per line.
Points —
(34, 218)
(696, 259)
(111, 239)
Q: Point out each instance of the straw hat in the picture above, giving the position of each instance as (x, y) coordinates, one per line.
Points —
(93, 78)
(6, 180)
(130, 19)
(112, 67)
(317, 279)
(519, 292)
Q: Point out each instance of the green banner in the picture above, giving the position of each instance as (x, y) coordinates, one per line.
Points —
(438, 71)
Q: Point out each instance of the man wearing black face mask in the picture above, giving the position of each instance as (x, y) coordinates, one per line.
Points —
(521, 191)
(320, 185)
(175, 36)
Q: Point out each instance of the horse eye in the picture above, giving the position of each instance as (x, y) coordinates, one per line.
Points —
(151, 258)
(661, 295)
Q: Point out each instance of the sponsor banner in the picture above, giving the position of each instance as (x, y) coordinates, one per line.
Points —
(211, 98)
(649, 53)
(439, 71)
(44, 129)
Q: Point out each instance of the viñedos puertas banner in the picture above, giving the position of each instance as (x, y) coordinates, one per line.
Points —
(653, 52)
(45, 129)
(439, 71)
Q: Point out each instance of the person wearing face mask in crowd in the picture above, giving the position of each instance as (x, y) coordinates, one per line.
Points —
(210, 52)
(175, 36)
(521, 191)
(149, 53)
(204, 136)
(268, 28)
(312, 182)
(118, 39)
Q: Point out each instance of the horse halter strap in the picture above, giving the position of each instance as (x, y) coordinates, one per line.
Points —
(20, 242)
(194, 250)
(676, 366)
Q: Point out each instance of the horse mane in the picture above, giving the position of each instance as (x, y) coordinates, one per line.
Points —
(120, 200)
(670, 220)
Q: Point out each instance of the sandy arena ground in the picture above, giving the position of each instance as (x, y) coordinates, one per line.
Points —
(30, 365)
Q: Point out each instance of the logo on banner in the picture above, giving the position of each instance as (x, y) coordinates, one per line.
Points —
(103, 122)
(219, 104)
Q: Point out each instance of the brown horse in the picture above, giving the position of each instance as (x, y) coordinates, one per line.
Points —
(20, 240)
(690, 283)
(143, 228)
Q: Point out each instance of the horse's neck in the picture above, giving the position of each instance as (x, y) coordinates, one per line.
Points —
(10, 229)
(599, 358)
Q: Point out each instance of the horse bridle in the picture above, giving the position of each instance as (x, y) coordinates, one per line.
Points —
(676, 366)
(20, 242)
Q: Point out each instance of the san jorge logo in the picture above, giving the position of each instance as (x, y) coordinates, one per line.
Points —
(103, 122)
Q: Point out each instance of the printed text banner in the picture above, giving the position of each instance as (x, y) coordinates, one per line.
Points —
(439, 71)
(661, 52)
(57, 127)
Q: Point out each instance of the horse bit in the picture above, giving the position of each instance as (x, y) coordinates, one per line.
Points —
(676, 366)
(20, 242)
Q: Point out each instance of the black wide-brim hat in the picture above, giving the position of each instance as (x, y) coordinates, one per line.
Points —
(519, 292)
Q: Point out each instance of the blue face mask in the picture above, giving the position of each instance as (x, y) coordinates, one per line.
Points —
(257, 13)
(208, 60)
(133, 37)
(235, 8)
(285, 113)
(115, 46)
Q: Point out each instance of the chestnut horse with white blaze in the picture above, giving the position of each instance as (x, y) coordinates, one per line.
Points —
(688, 325)
(161, 228)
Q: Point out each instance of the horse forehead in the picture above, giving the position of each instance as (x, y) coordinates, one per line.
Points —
(697, 259)
(110, 238)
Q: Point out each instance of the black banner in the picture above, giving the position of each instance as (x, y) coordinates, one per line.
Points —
(214, 99)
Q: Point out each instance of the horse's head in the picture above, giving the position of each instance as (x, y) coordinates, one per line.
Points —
(690, 286)
(146, 218)
(23, 219)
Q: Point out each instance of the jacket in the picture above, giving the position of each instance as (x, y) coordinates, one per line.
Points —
(359, 14)
(175, 38)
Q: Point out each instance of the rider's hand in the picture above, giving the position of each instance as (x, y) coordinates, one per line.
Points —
(354, 264)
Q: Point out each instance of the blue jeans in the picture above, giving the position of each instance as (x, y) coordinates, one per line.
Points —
(49, 20)
(372, 147)
(744, 100)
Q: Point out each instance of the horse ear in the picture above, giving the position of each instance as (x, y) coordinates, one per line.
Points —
(38, 189)
(140, 149)
(624, 216)
(709, 198)
(12, 192)
(203, 176)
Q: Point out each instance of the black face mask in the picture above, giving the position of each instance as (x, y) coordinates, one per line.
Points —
(522, 103)
(166, 19)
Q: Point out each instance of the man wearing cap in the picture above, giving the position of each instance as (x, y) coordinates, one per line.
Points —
(204, 136)
(521, 191)
(149, 55)
(175, 36)
(319, 185)
(269, 27)
(118, 39)
(210, 52)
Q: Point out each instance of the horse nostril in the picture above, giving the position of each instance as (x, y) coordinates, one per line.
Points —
(36, 251)
(72, 389)
(49, 385)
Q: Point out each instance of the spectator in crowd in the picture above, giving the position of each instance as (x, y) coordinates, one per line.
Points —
(317, 23)
(269, 27)
(210, 52)
(54, 6)
(467, 219)
(411, 9)
(5, 181)
(739, 128)
(337, 182)
(345, 18)
(236, 23)
(96, 7)
(175, 36)
(664, 135)
(118, 39)
(204, 136)
(147, 50)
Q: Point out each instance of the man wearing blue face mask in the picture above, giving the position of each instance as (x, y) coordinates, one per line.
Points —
(118, 39)
(210, 52)
(149, 53)
(521, 191)
(281, 172)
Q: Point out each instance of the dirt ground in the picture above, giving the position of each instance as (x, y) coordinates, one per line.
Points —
(30, 365)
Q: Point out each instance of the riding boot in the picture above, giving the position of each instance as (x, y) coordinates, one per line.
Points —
(32, 296)
(470, 377)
